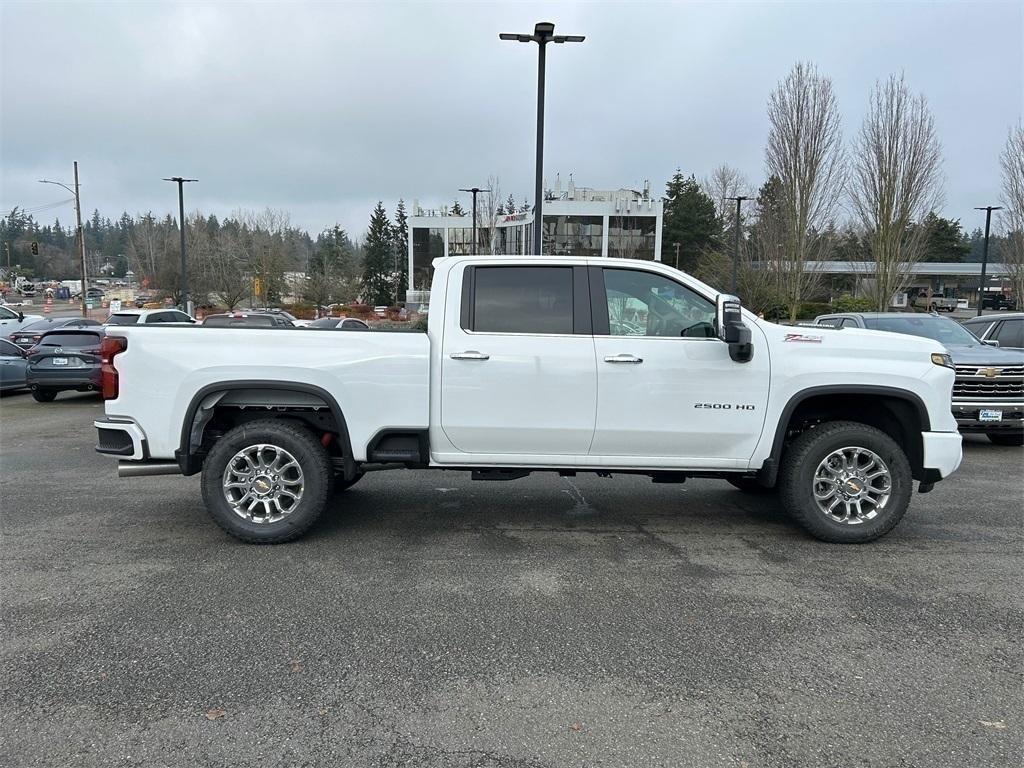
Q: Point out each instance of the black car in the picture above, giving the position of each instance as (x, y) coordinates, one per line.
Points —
(28, 336)
(248, 320)
(999, 301)
(65, 359)
(340, 324)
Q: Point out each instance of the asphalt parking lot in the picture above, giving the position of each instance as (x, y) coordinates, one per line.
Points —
(432, 621)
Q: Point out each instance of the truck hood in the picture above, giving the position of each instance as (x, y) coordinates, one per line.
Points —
(983, 354)
(858, 341)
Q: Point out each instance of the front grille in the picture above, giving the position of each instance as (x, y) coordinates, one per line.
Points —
(988, 382)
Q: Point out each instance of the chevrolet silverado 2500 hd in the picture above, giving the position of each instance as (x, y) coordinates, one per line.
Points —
(538, 364)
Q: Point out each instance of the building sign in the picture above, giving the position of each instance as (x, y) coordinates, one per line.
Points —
(514, 217)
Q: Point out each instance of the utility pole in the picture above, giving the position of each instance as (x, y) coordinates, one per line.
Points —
(677, 246)
(181, 226)
(736, 243)
(80, 235)
(543, 33)
(474, 191)
(984, 253)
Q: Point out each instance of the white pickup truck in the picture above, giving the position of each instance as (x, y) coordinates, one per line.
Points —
(538, 364)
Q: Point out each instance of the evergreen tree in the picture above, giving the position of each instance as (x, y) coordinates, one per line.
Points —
(400, 243)
(510, 204)
(378, 260)
(524, 207)
(457, 209)
(690, 219)
(944, 239)
(501, 209)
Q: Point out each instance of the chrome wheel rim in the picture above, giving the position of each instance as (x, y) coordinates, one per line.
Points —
(263, 483)
(852, 485)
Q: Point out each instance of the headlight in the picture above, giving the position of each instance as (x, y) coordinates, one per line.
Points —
(943, 358)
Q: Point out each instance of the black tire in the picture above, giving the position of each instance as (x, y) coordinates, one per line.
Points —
(313, 461)
(343, 485)
(748, 485)
(801, 460)
(1006, 438)
(44, 395)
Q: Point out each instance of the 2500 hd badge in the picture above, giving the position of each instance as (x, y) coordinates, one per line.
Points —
(725, 406)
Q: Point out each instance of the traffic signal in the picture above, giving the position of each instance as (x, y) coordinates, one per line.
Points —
(35, 248)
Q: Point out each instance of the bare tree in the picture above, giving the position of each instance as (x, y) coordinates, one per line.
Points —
(896, 182)
(488, 212)
(724, 182)
(1011, 162)
(805, 153)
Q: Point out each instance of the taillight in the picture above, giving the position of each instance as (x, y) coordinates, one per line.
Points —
(110, 347)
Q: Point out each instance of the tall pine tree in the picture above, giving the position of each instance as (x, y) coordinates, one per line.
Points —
(378, 260)
(690, 220)
(400, 243)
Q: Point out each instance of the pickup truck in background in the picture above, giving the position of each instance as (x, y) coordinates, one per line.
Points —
(936, 302)
(532, 364)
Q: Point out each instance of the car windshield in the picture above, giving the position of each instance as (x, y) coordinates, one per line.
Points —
(40, 325)
(947, 332)
(125, 319)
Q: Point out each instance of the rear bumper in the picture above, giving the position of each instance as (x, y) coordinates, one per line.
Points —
(942, 453)
(89, 378)
(124, 439)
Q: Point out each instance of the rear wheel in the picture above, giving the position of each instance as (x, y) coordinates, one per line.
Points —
(846, 482)
(267, 482)
(44, 395)
(1006, 438)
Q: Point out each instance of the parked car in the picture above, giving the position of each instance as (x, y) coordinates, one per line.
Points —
(988, 395)
(282, 313)
(999, 301)
(340, 323)
(65, 359)
(937, 302)
(149, 317)
(13, 363)
(14, 319)
(28, 336)
(521, 371)
(91, 294)
(1008, 330)
(248, 320)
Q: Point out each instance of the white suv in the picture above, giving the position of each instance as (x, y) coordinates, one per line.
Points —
(150, 317)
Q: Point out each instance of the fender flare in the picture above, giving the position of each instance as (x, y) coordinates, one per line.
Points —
(187, 460)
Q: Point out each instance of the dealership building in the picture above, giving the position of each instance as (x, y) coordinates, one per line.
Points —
(577, 222)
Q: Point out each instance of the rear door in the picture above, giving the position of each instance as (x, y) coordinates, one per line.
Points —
(518, 373)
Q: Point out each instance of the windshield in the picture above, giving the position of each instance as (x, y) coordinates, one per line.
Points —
(943, 330)
(39, 325)
(126, 319)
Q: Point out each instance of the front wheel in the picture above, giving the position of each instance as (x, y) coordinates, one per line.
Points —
(846, 482)
(44, 395)
(267, 481)
(1006, 438)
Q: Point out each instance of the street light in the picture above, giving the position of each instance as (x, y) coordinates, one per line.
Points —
(474, 190)
(181, 222)
(984, 253)
(543, 33)
(736, 244)
(81, 233)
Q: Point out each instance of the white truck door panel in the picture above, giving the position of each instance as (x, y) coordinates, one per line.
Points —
(663, 394)
(516, 379)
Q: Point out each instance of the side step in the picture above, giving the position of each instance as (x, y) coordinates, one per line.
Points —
(143, 468)
(499, 474)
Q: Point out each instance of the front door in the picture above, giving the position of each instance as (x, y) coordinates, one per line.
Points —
(518, 374)
(667, 387)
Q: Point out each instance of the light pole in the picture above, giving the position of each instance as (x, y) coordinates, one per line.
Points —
(736, 243)
(81, 233)
(181, 226)
(984, 253)
(677, 246)
(475, 191)
(543, 33)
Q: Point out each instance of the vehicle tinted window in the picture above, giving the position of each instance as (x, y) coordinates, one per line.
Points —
(1010, 333)
(38, 325)
(9, 350)
(977, 327)
(355, 325)
(122, 320)
(523, 300)
(941, 329)
(6, 314)
(324, 322)
(646, 304)
(70, 340)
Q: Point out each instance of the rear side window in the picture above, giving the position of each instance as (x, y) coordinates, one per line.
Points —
(1010, 333)
(122, 320)
(70, 340)
(9, 350)
(522, 300)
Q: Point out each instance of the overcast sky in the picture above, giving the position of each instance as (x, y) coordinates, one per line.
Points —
(322, 109)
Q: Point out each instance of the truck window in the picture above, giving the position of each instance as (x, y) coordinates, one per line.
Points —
(522, 300)
(642, 303)
(1010, 333)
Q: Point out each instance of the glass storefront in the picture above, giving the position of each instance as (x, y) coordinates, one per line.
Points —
(574, 235)
(631, 237)
(427, 245)
(510, 240)
(460, 241)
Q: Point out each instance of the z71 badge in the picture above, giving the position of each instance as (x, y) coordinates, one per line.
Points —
(804, 338)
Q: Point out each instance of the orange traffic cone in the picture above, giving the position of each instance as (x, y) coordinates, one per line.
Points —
(46, 308)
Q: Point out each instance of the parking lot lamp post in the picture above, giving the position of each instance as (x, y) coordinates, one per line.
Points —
(984, 253)
(81, 232)
(736, 243)
(543, 33)
(475, 191)
(181, 226)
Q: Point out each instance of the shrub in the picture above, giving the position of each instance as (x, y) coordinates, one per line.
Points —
(853, 304)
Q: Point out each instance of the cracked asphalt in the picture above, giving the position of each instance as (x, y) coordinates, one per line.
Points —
(429, 620)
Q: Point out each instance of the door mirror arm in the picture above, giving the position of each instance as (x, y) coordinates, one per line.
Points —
(731, 329)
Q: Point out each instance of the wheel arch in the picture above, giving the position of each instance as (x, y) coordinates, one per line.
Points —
(900, 413)
(304, 395)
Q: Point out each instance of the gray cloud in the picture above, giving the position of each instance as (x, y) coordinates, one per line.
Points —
(321, 109)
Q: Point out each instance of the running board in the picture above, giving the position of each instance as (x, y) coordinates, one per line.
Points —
(143, 468)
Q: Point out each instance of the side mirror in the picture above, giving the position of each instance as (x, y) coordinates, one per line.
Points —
(731, 329)
(21, 315)
(991, 342)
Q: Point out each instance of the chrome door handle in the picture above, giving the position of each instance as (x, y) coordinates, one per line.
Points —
(470, 355)
(624, 359)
